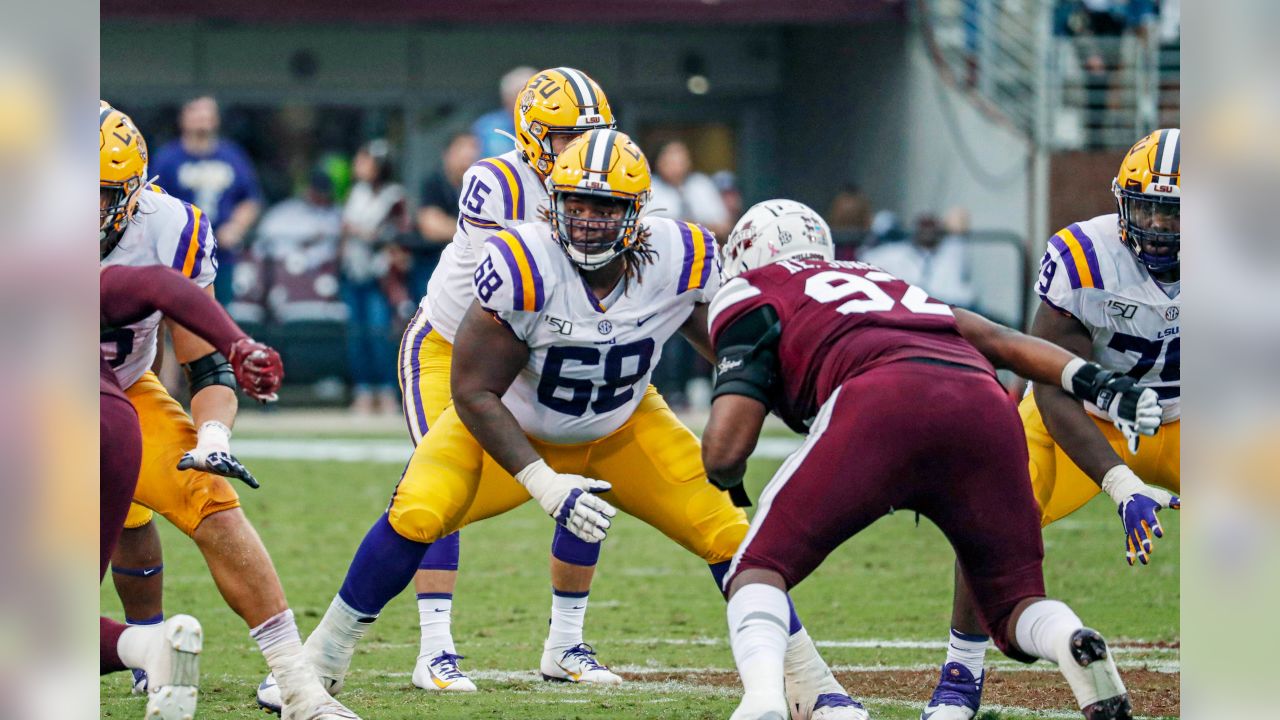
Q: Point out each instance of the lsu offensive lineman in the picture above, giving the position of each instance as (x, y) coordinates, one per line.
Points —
(184, 471)
(551, 389)
(1109, 290)
(556, 106)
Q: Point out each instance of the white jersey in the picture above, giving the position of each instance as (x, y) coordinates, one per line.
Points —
(164, 231)
(1089, 273)
(497, 193)
(590, 360)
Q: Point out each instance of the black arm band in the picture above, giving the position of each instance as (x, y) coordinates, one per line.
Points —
(747, 356)
(212, 369)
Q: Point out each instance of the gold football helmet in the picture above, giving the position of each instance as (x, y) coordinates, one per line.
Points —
(1148, 189)
(557, 101)
(122, 172)
(608, 166)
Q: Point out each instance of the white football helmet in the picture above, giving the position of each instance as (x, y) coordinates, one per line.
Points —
(773, 230)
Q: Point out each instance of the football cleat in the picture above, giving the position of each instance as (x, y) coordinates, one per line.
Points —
(1093, 677)
(577, 664)
(838, 706)
(957, 696)
(761, 707)
(174, 669)
(813, 693)
(317, 705)
(441, 673)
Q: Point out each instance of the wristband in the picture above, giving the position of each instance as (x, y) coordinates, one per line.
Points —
(1120, 483)
(214, 436)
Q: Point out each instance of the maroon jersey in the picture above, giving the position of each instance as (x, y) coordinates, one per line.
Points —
(839, 319)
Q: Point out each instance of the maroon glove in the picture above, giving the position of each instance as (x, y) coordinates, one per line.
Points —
(258, 369)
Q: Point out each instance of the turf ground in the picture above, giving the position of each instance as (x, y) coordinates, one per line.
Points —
(879, 608)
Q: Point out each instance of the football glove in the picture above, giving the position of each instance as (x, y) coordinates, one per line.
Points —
(212, 453)
(1138, 503)
(570, 500)
(258, 368)
(1134, 410)
(737, 493)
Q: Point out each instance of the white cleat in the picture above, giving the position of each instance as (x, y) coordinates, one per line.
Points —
(324, 657)
(317, 705)
(576, 664)
(813, 693)
(441, 672)
(1091, 672)
(761, 707)
(173, 669)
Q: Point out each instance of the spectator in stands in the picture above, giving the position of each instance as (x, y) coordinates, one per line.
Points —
(727, 183)
(885, 228)
(935, 262)
(372, 219)
(437, 217)
(296, 252)
(850, 219)
(682, 194)
(503, 117)
(215, 174)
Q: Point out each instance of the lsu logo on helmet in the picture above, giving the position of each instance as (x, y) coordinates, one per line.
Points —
(122, 172)
(603, 164)
(1148, 191)
(557, 101)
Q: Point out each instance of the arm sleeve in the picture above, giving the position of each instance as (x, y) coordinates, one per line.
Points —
(747, 355)
(129, 294)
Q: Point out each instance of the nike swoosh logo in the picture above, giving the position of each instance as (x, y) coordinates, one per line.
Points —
(440, 610)
(579, 607)
(644, 320)
(150, 571)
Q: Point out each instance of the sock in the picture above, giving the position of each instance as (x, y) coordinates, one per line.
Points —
(568, 613)
(383, 566)
(1044, 629)
(109, 632)
(758, 630)
(156, 619)
(718, 571)
(443, 554)
(967, 650)
(281, 646)
(435, 612)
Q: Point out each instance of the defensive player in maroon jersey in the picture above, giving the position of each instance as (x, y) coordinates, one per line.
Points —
(902, 408)
(168, 652)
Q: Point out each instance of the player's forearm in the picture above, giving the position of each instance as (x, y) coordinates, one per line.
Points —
(1075, 431)
(496, 429)
(128, 294)
(730, 437)
(1030, 357)
(215, 403)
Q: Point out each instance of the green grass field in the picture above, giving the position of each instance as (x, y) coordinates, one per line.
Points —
(654, 612)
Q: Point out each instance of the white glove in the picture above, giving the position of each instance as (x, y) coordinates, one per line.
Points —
(1138, 503)
(212, 453)
(569, 499)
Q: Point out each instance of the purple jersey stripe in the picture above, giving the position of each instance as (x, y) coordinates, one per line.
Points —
(502, 183)
(517, 284)
(184, 240)
(1090, 253)
(519, 187)
(1064, 254)
(708, 260)
(486, 224)
(202, 237)
(533, 271)
(687, 235)
(415, 377)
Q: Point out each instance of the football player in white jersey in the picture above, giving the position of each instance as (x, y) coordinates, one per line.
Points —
(555, 107)
(184, 470)
(1109, 290)
(551, 391)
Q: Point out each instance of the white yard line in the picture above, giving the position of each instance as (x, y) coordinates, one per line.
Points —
(398, 451)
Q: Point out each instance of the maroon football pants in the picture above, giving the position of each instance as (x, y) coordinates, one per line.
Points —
(119, 457)
(937, 439)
